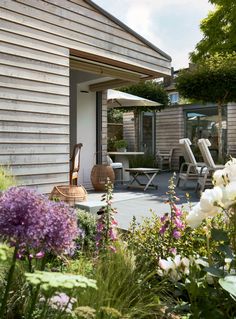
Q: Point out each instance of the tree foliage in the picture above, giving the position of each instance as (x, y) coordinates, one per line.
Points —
(219, 29)
(149, 90)
(212, 80)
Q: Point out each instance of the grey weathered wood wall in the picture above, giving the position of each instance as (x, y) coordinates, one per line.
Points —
(169, 129)
(129, 130)
(231, 128)
(36, 38)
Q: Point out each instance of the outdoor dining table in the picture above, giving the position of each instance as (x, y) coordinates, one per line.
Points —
(124, 158)
(138, 173)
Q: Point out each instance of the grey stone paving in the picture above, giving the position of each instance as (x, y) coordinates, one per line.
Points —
(131, 202)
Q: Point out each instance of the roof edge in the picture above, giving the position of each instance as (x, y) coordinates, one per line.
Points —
(123, 25)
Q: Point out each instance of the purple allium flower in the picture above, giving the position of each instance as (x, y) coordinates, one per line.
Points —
(30, 221)
(176, 234)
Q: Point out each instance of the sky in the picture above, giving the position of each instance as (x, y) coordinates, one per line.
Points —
(171, 25)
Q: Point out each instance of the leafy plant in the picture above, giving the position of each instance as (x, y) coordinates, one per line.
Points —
(120, 144)
(124, 287)
(86, 240)
(146, 160)
(6, 179)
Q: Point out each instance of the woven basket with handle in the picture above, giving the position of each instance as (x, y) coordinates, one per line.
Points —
(69, 193)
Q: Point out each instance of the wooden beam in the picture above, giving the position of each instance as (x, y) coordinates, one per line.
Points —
(105, 70)
(108, 85)
(119, 64)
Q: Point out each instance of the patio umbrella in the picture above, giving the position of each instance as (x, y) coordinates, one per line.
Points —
(121, 99)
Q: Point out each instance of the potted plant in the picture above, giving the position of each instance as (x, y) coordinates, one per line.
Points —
(121, 145)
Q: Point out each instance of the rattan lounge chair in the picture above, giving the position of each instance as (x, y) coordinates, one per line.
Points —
(190, 169)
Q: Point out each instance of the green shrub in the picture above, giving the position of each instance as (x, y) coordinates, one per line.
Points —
(6, 179)
(146, 160)
(86, 242)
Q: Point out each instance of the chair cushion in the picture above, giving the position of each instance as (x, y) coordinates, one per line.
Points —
(115, 165)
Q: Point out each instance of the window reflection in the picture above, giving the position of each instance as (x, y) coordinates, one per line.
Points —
(203, 123)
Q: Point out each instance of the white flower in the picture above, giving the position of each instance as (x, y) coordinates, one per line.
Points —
(166, 265)
(230, 191)
(230, 169)
(219, 177)
(195, 216)
(185, 263)
(210, 199)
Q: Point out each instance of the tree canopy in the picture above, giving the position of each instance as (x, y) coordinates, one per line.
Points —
(212, 80)
(219, 29)
(149, 90)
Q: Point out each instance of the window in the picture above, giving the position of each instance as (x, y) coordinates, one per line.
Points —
(203, 123)
(174, 97)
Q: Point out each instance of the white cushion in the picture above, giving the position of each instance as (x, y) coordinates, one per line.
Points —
(116, 165)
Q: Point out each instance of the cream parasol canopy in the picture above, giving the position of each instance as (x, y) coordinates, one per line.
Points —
(117, 98)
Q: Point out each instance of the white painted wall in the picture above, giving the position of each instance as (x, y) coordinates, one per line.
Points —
(86, 132)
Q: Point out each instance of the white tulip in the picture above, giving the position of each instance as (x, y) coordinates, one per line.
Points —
(230, 191)
(166, 265)
(195, 216)
(230, 169)
(210, 199)
(219, 177)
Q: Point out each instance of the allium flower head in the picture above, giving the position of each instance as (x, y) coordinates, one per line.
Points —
(29, 220)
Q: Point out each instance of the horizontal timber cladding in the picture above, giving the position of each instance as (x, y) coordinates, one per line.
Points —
(231, 128)
(70, 25)
(34, 110)
(37, 37)
(173, 119)
(129, 129)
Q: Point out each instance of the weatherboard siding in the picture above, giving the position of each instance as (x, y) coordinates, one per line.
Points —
(231, 128)
(36, 39)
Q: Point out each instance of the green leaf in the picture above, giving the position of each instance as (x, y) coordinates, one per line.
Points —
(216, 272)
(229, 284)
(219, 235)
(227, 250)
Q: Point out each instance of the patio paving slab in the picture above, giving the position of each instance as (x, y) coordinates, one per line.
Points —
(132, 202)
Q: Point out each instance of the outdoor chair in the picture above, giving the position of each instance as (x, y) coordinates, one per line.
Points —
(164, 158)
(205, 181)
(190, 169)
(75, 164)
(117, 166)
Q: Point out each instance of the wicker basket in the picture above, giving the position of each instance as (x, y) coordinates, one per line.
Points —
(99, 175)
(69, 193)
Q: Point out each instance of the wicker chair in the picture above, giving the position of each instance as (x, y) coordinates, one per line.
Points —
(116, 166)
(75, 164)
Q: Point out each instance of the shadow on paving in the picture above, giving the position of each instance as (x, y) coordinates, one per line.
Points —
(131, 202)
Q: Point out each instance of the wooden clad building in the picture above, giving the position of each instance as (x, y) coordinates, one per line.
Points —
(171, 125)
(52, 52)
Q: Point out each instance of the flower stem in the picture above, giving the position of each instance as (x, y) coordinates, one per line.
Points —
(9, 280)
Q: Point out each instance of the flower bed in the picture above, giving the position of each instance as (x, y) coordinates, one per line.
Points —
(58, 263)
